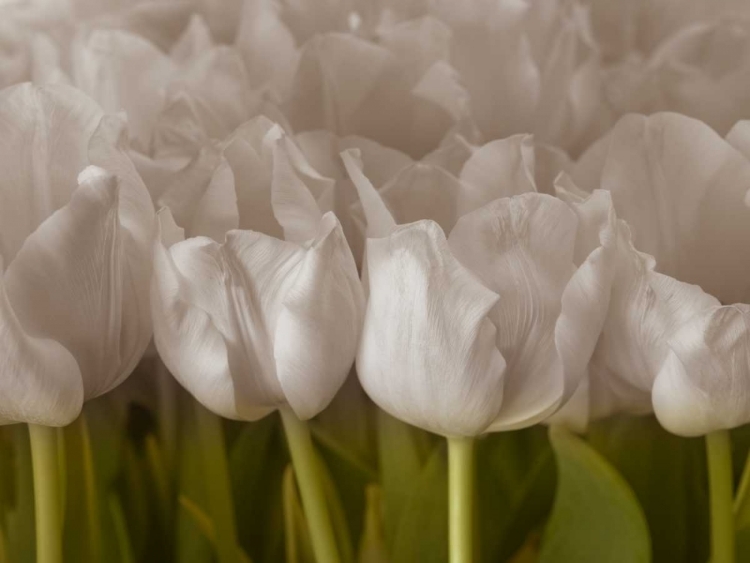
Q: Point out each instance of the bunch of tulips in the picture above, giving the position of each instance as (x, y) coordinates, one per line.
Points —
(374, 281)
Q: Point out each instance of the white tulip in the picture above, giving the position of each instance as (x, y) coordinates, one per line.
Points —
(76, 251)
(489, 328)
(268, 317)
(681, 188)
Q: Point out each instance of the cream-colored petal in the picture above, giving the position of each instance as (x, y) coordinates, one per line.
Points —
(522, 249)
(294, 205)
(704, 384)
(318, 329)
(189, 342)
(40, 382)
(266, 45)
(427, 353)
(681, 187)
(44, 137)
(646, 309)
(121, 70)
(423, 191)
(202, 197)
(66, 282)
(380, 221)
(335, 76)
(108, 149)
(501, 168)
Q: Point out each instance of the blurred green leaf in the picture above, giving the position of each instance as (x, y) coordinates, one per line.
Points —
(297, 544)
(515, 488)
(668, 475)
(347, 427)
(339, 518)
(372, 548)
(596, 516)
(191, 545)
(121, 529)
(205, 525)
(257, 460)
(402, 451)
(20, 520)
(422, 532)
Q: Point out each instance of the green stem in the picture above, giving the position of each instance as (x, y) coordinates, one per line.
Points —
(91, 489)
(460, 496)
(46, 493)
(216, 473)
(719, 454)
(308, 476)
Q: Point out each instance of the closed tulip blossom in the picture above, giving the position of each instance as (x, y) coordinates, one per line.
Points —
(75, 257)
(266, 316)
(487, 328)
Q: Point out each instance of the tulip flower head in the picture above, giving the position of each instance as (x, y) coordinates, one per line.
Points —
(266, 317)
(673, 341)
(489, 328)
(76, 255)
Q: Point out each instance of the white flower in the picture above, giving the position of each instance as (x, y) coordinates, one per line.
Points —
(265, 317)
(76, 252)
(681, 188)
(488, 329)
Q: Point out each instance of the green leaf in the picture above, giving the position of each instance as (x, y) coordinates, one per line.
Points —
(20, 520)
(206, 526)
(121, 529)
(515, 489)
(422, 532)
(347, 427)
(596, 516)
(339, 519)
(191, 545)
(297, 544)
(402, 451)
(257, 460)
(372, 548)
(668, 475)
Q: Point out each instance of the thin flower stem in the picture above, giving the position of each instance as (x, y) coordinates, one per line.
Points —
(719, 454)
(218, 489)
(46, 493)
(460, 496)
(307, 471)
(91, 491)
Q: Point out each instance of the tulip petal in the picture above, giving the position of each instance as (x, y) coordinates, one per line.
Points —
(44, 135)
(646, 308)
(202, 197)
(423, 191)
(319, 325)
(704, 384)
(585, 301)
(681, 188)
(66, 282)
(121, 70)
(188, 341)
(40, 382)
(195, 330)
(522, 249)
(108, 149)
(266, 44)
(380, 222)
(250, 154)
(501, 168)
(427, 353)
(293, 204)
